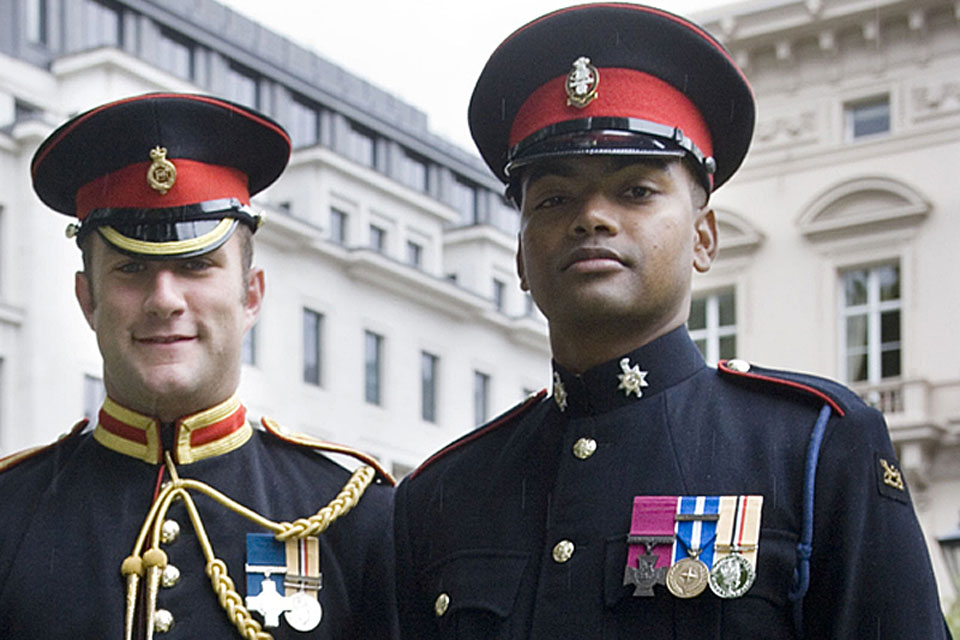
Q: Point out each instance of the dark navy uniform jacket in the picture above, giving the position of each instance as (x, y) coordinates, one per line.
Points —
(477, 524)
(70, 514)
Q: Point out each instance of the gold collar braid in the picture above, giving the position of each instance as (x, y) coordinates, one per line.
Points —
(153, 560)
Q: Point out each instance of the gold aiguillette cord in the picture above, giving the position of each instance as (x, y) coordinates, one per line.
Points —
(149, 565)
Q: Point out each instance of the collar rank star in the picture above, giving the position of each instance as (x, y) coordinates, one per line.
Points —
(632, 379)
(582, 82)
(559, 392)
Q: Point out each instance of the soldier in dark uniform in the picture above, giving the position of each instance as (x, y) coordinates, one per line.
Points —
(649, 496)
(171, 516)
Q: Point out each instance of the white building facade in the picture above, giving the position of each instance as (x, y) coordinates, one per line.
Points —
(393, 320)
(838, 236)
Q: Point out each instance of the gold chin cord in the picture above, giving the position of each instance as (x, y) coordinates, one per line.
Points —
(149, 565)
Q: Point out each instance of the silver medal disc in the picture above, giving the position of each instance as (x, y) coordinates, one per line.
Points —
(732, 576)
(305, 612)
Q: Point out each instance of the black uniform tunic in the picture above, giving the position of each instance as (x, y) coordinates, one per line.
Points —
(70, 515)
(477, 524)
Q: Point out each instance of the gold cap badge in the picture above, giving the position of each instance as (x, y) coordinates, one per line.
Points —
(582, 83)
(162, 173)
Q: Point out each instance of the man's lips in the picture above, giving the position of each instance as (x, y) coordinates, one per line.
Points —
(163, 339)
(591, 258)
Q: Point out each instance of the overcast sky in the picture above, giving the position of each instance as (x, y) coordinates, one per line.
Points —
(426, 52)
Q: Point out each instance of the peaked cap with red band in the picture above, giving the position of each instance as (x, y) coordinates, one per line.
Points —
(612, 78)
(162, 175)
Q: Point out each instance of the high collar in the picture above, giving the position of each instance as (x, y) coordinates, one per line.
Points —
(633, 377)
(212, 432)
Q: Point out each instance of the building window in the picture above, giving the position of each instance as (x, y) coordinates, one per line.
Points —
(312, 347)
(174, 54)
(338, 226)
(378, 238)
(372, 366)
(464, 200)
(249, 347)
(242, 87)
(499, 287)
(304, 124)
(413, 171)
(866, 118)
(100, 25)
(713, 325)
(37, 21)
(93, 396)
(871, 323)
(361, 146)
(504, 216)
(414, 254)
(528, 304)
(428, 386)
(481, 397)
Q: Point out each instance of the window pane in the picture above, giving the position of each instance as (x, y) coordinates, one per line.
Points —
(413, 171)
(361, 146)
(869, 118)
(338, 226)
(855, 287)
(377, 238)
(727, 308)
(372, 345)
(698, 314)
(465, 201)
(304, 124)
(175, 55)
(857, 368)
(856, 332)
(241, 87)
(890, 327)
(414, 254)
(101, 25)
(889, 279)
(481, 382)
(428, 387)
(890, 363)
(312, 328)
(728, 347)
(498, 291)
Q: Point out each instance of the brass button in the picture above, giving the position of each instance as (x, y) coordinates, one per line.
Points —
(562, 551)
(169, 531)
(440, 604)
(584, 448)
(740, 366)
(170, 576)
(162, 621)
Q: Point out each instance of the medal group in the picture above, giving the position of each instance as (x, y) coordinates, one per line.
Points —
(687, 543)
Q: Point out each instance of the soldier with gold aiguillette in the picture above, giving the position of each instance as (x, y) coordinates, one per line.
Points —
(649, 496)
(170, 515)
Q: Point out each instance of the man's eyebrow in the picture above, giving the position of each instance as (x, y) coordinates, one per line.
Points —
(544, 169)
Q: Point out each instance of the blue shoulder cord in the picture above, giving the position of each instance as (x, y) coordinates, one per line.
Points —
(801, 575)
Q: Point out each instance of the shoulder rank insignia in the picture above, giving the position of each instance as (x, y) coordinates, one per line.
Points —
(890, 479)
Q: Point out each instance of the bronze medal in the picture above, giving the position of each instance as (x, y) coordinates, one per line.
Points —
(687, 578)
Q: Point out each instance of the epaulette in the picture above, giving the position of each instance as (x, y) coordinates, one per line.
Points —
(304, 440)
(12, 460)
(826, 391)
(493, 425)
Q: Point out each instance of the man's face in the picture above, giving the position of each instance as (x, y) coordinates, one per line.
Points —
(607, 244)
(170, 331)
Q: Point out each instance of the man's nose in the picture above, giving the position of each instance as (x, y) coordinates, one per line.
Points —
(596, 215)
(165, 297)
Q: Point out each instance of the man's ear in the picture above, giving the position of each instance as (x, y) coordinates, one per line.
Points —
(705, 240)
(83, 289)
(253, 300)
(523, 278)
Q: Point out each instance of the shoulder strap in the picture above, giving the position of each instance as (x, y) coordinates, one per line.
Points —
(12, 460)
(304, 440)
